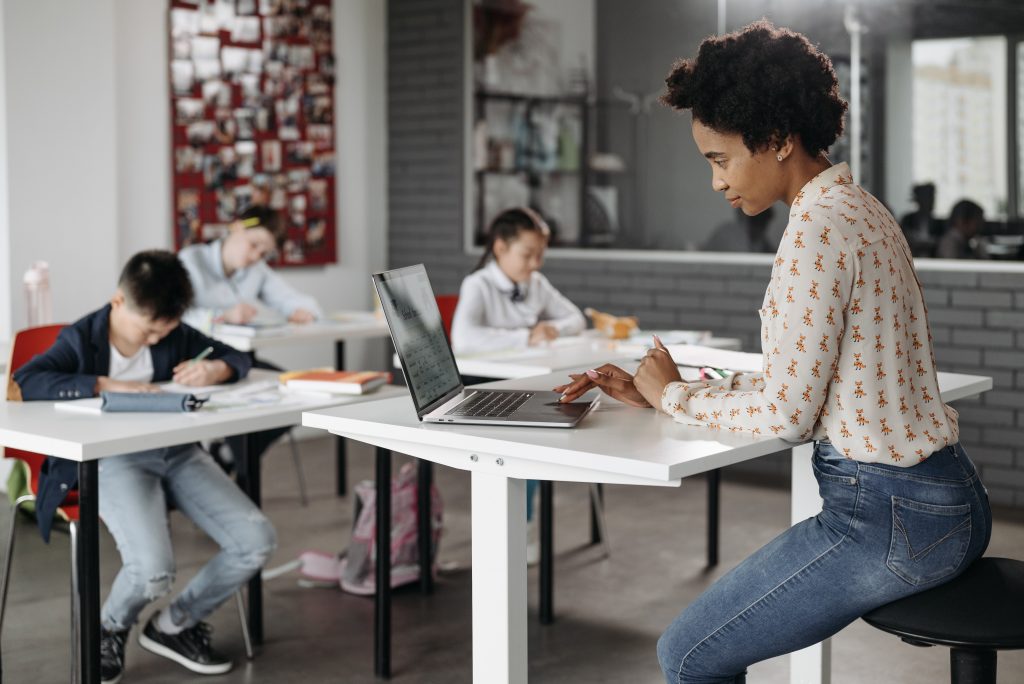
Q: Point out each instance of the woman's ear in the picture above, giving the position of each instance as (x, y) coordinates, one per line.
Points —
(784, 147)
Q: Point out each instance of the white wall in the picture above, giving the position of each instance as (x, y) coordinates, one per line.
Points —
(5, 241)
(89, 171)
(899, 121)
(61, 151)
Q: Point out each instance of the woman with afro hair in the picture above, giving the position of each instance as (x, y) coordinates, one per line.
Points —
(847, 363)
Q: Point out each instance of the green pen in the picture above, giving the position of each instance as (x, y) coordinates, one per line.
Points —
(201, 355)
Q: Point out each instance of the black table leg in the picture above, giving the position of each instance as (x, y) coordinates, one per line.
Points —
(382, 598)
(547, 564)
(714, 487)
(248, 464)
(89, 571)
(425, 541)
(340, 453)
(595, 527)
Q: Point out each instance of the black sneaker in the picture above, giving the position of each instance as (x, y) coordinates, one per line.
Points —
(189, 647)
(112, 655)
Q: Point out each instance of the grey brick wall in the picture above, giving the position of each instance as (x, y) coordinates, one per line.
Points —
(977, 318)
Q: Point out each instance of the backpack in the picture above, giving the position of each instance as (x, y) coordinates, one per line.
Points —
(355, 569)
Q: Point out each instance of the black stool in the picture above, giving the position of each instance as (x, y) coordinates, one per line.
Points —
(976, 614)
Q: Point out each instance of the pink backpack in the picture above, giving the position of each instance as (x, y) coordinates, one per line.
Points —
(355, 569)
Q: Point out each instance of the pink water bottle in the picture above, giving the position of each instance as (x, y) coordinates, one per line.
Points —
(38, 305)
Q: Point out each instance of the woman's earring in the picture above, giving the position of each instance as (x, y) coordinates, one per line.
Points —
(779, 156)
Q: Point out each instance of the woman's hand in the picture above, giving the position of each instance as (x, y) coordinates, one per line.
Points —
(240, 313)
(302, 316)
(541, 333)
(656, 370)
(105, 384)
(201, 373)
(613, 381)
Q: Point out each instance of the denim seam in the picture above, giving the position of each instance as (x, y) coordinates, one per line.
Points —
(924, 479)
(892, 542)
(809, 564)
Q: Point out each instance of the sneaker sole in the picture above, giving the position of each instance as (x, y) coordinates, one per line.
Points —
(161, 650)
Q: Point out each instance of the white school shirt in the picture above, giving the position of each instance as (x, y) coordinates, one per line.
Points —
(215, 292)
(847, 354)
(486, 318)
(135, 368)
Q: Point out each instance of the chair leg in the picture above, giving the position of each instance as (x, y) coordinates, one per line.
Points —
(10, 555)
(597, 510)
(298, 469)
(245, 625)
(75, 616)
(970, 666)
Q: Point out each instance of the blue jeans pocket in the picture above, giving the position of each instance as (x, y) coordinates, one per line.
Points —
(929, 541)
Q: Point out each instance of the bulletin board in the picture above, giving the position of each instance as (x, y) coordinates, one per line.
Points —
(252, 120)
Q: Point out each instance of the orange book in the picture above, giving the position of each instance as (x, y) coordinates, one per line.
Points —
(335, 382)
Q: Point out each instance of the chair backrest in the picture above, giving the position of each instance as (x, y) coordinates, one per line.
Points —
(26, 344)
(446, 303)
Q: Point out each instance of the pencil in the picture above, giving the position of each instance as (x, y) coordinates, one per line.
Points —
(202, 355)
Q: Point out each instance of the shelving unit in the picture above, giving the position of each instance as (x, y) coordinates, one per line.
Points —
(518, 152)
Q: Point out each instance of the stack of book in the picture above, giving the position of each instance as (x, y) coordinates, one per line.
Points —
(327, 381)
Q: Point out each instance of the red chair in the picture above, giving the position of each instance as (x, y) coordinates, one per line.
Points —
(446, 304)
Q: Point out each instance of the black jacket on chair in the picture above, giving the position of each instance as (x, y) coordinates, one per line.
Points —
(68, 370)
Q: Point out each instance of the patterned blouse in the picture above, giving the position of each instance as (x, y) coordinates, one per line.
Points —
(847, 354)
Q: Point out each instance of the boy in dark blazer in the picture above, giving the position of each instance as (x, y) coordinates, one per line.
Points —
(128, 345)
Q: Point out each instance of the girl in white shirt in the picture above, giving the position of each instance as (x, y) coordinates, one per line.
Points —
(506, 303)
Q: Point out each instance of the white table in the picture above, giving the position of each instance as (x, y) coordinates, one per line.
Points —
(616, 444)
(37, 426)
(337, 328)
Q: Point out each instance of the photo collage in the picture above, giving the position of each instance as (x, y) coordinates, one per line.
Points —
(252, 114)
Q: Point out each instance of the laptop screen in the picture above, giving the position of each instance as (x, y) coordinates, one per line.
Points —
(416, 329)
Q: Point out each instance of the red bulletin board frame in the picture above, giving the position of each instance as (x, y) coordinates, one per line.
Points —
(252, 120)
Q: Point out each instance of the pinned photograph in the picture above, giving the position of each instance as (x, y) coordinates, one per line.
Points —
(297, 211)
(265, 119)
(278, 198)
(288, 133)
(188, 160)
(184, 23)
(188, 110)
(187, 216)
(226, 130)
(205, 47)
(245, 30)
(319, 109)
(320, 29)
(208, 18)
(235, 60)
(270, 7)
(278, 26)
(251, 94)
(300, 153)
(182, 76)
(181, 47)
(318, 196)
(298, 180)
(225, 205)
(292, 252)
(319, 134)
(323, 165)
(254, 65)
(315, 233)
(214, 231)
(316, 84)
(275, 51)
(301, 57)
(245, 7)
(216, 93)
(207, 69)
(243, 198)
(200, 132)
(271, 156)
(245, 121)
(246, 152)
(225, 11)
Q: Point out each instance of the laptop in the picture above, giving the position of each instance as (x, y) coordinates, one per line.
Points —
(433, 378)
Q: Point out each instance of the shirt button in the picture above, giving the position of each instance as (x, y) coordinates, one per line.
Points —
(78, 393)
(61, 393)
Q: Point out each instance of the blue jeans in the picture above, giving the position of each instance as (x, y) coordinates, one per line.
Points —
(135, 492)
(884, 533)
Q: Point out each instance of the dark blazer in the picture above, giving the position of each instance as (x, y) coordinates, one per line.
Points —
(68, 370)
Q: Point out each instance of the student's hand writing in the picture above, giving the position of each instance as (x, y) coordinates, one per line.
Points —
(240, 313)
(541, 333)
(105, 384)
(613, 381)
(302, 316)
(201, 373)
(656, 370)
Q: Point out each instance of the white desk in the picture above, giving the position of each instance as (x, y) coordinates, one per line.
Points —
(616, 444)
(568, 352)
(37, 426)
(337, 328)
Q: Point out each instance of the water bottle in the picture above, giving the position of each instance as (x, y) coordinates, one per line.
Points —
(38, 305)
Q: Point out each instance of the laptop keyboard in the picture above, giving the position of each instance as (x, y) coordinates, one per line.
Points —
(490, 404)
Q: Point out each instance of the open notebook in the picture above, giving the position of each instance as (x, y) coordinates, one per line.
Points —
(221, 397)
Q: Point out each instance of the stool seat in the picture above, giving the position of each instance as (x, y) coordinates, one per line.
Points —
(981, 609)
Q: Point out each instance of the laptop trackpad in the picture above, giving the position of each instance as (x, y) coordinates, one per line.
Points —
(546, 407)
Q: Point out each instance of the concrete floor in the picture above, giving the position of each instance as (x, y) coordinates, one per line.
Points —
(610, 611)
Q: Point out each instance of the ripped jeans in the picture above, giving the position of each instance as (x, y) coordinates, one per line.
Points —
(884, 532)
(136, 490)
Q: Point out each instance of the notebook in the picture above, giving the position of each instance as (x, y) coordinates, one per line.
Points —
(433, 378)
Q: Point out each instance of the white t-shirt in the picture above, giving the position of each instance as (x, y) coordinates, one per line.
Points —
(135, 368)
